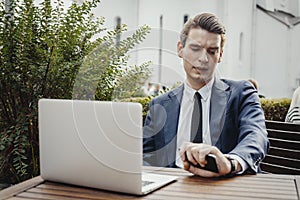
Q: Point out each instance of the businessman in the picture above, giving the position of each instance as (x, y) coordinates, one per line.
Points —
(205, 115)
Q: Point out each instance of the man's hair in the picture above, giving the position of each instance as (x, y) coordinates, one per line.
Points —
(206, 21)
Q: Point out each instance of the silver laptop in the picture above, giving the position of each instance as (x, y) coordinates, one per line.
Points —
(95, 144)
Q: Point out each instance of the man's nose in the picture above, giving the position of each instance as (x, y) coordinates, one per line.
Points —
(203, 56)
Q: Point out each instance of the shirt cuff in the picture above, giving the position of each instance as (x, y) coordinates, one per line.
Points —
(241, 161)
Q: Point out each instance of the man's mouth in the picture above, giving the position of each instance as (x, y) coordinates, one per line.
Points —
(200, 68)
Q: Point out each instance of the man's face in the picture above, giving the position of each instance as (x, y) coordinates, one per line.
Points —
(201, 54)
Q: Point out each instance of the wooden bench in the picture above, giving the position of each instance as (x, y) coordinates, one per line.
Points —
(284, 153)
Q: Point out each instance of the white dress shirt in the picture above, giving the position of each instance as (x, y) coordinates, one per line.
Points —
(185, 116)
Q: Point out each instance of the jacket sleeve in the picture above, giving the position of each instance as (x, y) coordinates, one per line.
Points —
(253, 142)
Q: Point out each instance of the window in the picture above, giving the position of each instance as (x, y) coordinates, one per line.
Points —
(185, 18)
(118, 26)
(241, 46)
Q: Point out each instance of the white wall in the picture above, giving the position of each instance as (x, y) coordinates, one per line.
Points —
(126, 9)
(276, 59)
(293, 74)
(238, 22)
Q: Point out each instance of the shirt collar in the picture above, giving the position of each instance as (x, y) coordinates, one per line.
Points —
(205, 91)
(188, 92)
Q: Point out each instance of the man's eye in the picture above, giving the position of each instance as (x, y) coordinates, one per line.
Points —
(212, 52)
(195, 48)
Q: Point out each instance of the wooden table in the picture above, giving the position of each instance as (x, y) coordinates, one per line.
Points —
(261, 186)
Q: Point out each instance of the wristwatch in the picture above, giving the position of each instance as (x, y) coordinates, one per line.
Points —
(233, 166)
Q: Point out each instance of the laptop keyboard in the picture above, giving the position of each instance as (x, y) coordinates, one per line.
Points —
(144, 183)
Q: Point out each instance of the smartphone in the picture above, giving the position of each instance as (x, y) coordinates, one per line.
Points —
(211, 164)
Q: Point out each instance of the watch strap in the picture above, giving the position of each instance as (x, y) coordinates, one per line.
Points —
(233, 165)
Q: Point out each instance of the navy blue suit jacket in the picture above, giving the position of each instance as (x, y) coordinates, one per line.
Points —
(237, 124)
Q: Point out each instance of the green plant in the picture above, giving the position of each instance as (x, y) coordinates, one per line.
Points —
(42, 49)
(144, 101)
(105, 74)
(129, 82)
(275, 109)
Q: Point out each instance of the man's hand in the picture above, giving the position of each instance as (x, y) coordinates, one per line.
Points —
(196, 153)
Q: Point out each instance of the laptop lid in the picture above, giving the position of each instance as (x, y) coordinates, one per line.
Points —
(91, 143)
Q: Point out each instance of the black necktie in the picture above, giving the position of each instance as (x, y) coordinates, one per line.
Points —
(196, 127)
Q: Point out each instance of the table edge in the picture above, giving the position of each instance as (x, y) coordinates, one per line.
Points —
(20, 187)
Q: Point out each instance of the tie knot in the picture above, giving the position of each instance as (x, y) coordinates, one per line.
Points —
(197, 95)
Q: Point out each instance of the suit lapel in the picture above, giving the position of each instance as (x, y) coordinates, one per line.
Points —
(219, 98)
(172, 106)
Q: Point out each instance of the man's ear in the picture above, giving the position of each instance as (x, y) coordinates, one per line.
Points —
(179, 49)
(221, 54)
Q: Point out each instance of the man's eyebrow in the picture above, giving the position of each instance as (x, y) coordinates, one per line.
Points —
(213, 48)
(195, 45)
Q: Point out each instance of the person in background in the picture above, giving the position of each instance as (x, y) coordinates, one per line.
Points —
(154, 89)
(205, 115)
(255, 84)
(293, 114)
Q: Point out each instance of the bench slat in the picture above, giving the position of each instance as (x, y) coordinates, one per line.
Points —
(286, 135)
(282, 126)
(278, 169)
(288, 153)
(277, 160)
(285, 144)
